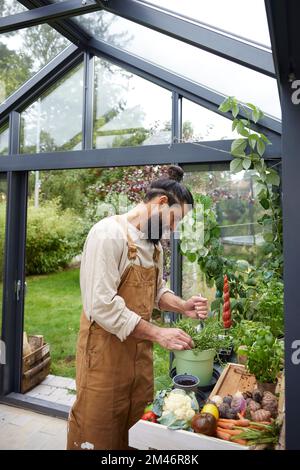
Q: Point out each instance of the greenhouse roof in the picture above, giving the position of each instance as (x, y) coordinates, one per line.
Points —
(146, 36)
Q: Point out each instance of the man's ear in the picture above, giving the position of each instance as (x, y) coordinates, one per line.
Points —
(163, 199)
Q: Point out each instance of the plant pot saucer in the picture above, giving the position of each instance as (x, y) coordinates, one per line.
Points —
(206, 388)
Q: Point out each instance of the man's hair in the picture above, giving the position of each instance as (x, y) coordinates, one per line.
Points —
(171, 187)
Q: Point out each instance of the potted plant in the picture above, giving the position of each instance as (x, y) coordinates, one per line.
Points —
(207, 343)
(263, 352)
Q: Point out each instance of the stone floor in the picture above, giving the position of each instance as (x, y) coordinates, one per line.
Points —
(25, 430)
(55, 389)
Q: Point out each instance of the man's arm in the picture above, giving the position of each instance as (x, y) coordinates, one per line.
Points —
(169, 338)
(195, 307)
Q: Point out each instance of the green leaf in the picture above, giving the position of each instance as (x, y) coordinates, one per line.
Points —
(265, 203)
(236, 165)
(238, 146)
(265, 139)
(234, 124)
(242, 130)
(251, 106)
(191, 257)
(226, 105)
(247, 163)
(273, 177)
(268, 237)
(261, 147)
(235, 110)
(252, 140)
(256, 114)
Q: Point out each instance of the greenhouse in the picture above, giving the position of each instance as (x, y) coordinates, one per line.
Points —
(118, 115)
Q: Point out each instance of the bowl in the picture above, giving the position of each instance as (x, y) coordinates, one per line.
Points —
(186, 382)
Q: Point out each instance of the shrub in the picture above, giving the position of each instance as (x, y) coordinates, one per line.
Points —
(54, 237)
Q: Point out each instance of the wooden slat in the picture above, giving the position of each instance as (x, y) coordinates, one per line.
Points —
(35, 370)
(34, 357)
(234, 378)
(145, 435)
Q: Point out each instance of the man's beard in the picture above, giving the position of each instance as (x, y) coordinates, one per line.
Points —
(153, 229)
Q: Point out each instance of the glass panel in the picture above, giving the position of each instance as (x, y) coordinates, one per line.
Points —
(199, 123)
(11, 7)
(237, 212)
(4, 140)
(191, 62)
(69, 203)
(231, 15)
(129, 110)
(24, 52)
(54, 122)
(3, 193)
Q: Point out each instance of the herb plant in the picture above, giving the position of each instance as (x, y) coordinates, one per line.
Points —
(211, 336)
(264, 352)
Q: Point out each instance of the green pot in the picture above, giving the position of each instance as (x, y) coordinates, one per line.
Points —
(200, 364)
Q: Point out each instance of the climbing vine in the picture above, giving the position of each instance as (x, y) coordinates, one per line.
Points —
(247, 154)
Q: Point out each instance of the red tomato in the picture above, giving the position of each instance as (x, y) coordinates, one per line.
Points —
(149, 416)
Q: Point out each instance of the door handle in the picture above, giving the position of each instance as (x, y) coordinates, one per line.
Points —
(19, 289)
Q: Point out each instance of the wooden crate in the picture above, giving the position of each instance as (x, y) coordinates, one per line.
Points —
(145, 435)
(234, 378)
(36, 365)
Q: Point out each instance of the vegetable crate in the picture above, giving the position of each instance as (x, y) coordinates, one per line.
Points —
(36, 365)
(146, 435)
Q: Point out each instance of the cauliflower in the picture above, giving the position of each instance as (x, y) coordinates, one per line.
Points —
(180, 404)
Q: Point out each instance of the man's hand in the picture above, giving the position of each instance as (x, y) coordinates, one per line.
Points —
(196, 307)
(174, 339)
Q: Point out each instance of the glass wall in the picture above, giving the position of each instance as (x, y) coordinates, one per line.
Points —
(237, 211)
(129, 110)
(70, 202)
(24, 52)
(199, 123)
(54, 122)
(4, 140)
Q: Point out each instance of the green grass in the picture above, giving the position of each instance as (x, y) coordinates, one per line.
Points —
(53, 307)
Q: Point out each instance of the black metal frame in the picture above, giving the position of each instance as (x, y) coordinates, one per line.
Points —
(282, 18)
(284, 31)
(47, 13)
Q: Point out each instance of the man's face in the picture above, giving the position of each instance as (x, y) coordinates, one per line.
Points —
(163, 219)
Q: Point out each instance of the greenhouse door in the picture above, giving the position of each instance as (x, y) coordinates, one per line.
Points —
(13, 200)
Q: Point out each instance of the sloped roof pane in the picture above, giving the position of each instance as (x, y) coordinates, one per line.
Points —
(199, 123)
(247, 20)
(188, 61)
(4, 135)
(25, 52)
(10, 7)
(128, 110)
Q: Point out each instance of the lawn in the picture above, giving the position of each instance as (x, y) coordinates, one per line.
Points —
(53, 308)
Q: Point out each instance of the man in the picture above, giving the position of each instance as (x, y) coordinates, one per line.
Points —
(121, 282)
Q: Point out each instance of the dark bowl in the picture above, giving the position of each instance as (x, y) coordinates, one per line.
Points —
(205, 388)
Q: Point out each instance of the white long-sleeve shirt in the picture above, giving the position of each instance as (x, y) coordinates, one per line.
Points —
(104, 259)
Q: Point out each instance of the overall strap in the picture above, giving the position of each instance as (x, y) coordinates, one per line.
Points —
(132, 248)
(156, 254)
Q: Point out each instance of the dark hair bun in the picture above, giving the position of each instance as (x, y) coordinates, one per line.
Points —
(175, 173)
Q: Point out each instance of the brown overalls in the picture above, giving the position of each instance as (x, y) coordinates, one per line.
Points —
(114, 379)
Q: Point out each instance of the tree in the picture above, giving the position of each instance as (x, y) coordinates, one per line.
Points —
(14, 70)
